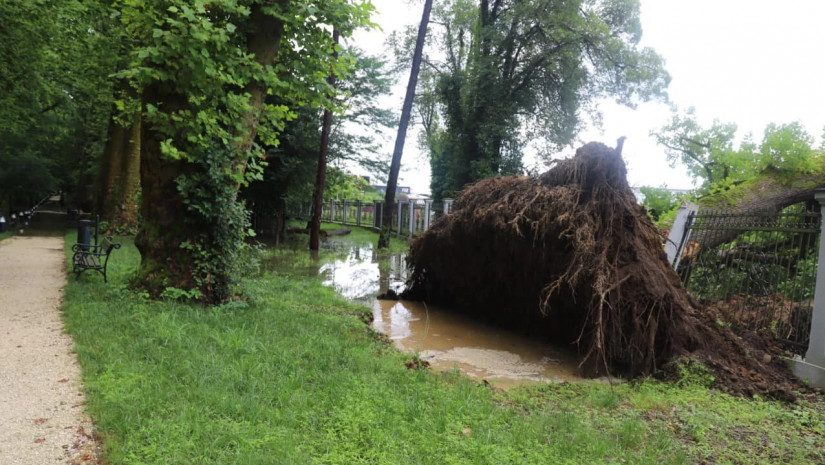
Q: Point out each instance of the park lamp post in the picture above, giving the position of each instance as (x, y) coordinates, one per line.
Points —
(2, 223)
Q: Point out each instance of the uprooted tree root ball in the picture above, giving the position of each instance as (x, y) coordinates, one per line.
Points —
(571, 257)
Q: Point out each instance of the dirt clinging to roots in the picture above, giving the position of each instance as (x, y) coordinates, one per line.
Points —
(570, 257)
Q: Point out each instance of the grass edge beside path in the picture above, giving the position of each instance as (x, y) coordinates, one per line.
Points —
(296, 377)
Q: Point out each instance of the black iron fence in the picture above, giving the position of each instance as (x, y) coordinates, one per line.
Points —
(409, 217)
(757, 269)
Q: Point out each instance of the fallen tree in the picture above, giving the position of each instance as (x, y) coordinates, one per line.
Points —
(570, 257)
(769, 193)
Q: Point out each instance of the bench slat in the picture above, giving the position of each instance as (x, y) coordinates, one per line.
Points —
(95, 257)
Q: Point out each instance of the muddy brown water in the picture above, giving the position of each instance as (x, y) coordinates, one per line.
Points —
(447, 340)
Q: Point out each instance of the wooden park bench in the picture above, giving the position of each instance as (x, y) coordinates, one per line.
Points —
(93, 257)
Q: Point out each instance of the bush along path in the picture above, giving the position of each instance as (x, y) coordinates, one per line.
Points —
(41, 396)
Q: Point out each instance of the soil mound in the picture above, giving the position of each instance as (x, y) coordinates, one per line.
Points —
(572, 258)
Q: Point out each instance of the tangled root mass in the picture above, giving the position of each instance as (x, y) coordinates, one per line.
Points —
(571, 257)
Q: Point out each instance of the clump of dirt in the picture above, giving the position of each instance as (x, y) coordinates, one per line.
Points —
(570, 257)
(789, 319)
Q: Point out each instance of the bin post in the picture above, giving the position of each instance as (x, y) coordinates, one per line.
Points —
(84, 234)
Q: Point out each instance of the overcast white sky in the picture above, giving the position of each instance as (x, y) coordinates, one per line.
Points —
(750, 62)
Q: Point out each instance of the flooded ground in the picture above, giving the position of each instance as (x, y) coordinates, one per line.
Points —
(448, 340)
(445, 339)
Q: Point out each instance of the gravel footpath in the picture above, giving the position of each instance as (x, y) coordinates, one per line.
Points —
(41, 397)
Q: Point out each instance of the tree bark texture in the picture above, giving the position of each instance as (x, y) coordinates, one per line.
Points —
(126, 207)
(768, 195)
(264, 43)
(110, 168)
(164, 229)
(320, 176)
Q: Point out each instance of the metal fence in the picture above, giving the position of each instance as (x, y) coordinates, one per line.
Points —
(757, 269)
(410, 217)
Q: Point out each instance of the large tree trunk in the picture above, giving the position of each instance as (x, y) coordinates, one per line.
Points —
(406, 111)
(163, 230)
(166, 221)
(767, 195)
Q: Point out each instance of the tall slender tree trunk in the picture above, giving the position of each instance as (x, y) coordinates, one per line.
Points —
(119, 178)
(320, 176)
(110, 168)
(406, 111)
(126, 208)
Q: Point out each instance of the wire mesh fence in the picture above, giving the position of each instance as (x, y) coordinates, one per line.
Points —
(757, 269)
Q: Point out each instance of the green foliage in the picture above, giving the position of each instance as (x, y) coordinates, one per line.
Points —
(691, 373)
(355, 137)
(787, 147)
(221, 254)
(658, 200)
(759, 263)
(341, 186)
(206, 69)
(711, 155)
(792, 288)
(708, 153)
(55, 94)
(173, 293)
(517, 68)
(289, 174)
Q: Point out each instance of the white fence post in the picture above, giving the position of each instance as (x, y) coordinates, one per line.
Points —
(412, 217)
(812, 369)
(398, 231)
(448, 205)
(428, 204)
(679, 234)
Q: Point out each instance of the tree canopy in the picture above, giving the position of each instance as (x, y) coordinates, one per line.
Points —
(503, 72)
(717, 160)
(205, 70)
(289, 173)
(658, 200)
(55, 62)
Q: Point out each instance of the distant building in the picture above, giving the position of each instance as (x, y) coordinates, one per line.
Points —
(399, 190)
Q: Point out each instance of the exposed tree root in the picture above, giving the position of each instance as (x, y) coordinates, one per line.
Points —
(572, 258)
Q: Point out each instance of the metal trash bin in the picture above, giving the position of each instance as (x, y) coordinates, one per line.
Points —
(84, 233)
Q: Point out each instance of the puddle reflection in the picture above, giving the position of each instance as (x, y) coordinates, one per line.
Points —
(364, 273)
(447, 340)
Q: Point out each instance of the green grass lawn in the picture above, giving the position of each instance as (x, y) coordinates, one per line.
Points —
(296, 376)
